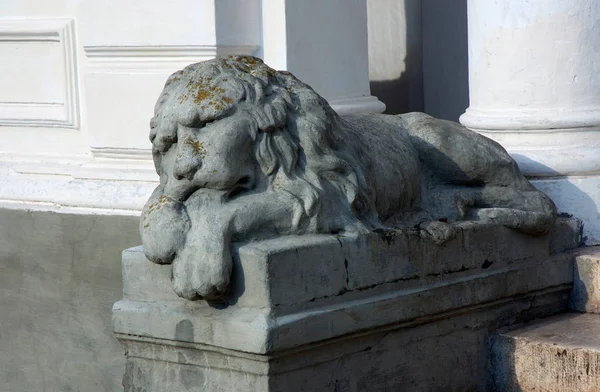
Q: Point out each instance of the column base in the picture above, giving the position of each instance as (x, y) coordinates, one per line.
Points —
(551, 152)
(356, 105)
(544, 142)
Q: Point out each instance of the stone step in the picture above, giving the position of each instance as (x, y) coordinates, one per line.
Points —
(585, 296)
(556, 354)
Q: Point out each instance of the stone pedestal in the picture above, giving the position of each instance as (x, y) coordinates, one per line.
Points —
(534, 87)
(345, 313)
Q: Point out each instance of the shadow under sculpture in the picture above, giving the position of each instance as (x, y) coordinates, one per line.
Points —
(245, 153)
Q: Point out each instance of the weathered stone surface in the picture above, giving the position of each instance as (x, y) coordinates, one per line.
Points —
(297, 290)
(334, 253)
(585, 296)
(362, 312)
(444, 353)
(299, 168)
(563, 234)
(558, 354)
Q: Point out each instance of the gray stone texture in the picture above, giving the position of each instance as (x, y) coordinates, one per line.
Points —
(59, 276)
(365, 312)
(558, 354)
(297, 250)
(586, 282)
(245, 153)
(448, 353)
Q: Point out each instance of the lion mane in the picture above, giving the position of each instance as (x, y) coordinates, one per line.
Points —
(297, 146)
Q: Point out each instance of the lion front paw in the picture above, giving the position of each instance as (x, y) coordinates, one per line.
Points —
(163, 228)
(202, 274)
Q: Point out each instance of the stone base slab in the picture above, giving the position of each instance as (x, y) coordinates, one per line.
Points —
(446, 353)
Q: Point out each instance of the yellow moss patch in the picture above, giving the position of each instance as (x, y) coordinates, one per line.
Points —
(162, 199)
(203, 90)
(247, 60)
(206, 92)
(196, 145)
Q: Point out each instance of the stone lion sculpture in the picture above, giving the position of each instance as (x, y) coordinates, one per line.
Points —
(245, 152)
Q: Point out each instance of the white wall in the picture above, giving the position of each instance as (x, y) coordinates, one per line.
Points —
(79, 81)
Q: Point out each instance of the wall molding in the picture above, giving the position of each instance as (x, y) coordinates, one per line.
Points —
(80, 184)
(44, 114)
(122, 153)
(153, 59)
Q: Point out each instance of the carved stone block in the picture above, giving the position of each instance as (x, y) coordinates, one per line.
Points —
(361, 312)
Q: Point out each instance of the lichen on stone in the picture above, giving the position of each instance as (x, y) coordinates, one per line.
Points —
(196, 145)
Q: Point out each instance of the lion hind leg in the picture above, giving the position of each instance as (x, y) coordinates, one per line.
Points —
(535, 223)
(529, 211)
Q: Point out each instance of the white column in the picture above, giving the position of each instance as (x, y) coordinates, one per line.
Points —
(324, 43)
(534, 84)
(534, 81)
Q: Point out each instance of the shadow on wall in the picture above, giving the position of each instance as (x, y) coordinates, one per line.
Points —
(445, 58)
(435, 75)
(560, 189)
(405, 93)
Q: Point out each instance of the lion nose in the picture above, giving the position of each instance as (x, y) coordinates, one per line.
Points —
(186, 165)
